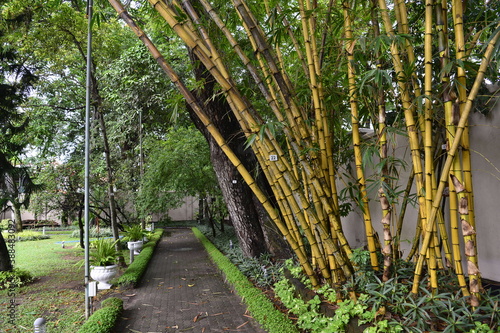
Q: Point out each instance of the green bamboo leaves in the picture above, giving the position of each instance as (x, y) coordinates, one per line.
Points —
(382, 63)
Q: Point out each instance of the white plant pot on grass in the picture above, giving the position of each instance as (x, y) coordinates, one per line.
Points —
(135, 246)
(103, 274)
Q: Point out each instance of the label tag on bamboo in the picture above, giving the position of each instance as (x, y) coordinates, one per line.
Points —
(273, 158)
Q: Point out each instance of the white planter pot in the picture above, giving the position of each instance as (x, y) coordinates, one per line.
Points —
(103, 274)
(135, 246)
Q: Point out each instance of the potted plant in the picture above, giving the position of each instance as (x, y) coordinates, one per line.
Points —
(103, 260)
(134, 236)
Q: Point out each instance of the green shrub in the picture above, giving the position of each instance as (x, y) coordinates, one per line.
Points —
(136, 269)
(261, 308)
(262, 271)
(94, 232)
(30, 235)
(4, 224)
(104, 319)
(15, 278)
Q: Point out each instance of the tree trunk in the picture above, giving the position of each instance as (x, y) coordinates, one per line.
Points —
(17, 216)
(5, 263)
(241, 210)
(248, 217)
(111, 194)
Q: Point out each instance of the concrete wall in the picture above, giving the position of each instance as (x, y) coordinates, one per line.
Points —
(187, 211)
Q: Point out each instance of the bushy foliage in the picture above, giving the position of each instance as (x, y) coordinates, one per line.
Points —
(389, 306)
(94, 232)
(15, 278)
(136, 269)
(181, 167)
(104, 319)
(263, 271)
(29, 235)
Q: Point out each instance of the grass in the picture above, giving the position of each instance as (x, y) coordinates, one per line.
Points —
(57, 293)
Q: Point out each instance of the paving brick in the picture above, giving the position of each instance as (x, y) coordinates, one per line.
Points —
(183, 291)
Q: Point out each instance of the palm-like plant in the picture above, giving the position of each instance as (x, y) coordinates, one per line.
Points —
(103, 252)
(134, 233)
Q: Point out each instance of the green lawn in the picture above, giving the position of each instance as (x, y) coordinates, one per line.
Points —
(58, 293)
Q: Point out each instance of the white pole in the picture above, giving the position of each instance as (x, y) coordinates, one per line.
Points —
(87, 156)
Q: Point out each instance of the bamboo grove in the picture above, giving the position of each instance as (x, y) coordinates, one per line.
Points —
(324, 68)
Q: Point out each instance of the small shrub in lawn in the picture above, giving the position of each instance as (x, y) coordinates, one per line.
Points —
(4, 224)
(15, 278)
(104, 319)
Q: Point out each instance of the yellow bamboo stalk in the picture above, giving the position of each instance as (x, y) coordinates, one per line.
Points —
(308, 32)
(428, 148)
(385, 205)
(441, 28)
(364, 204)
(217, 136)
(467, 195)
(408, 109)
(451, 154)
(403, 24)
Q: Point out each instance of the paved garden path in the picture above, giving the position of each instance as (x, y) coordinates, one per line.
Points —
(183, 291)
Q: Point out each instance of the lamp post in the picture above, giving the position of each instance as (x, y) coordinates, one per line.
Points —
(87, 156)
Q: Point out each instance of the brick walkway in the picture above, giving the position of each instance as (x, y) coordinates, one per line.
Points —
(183, 291)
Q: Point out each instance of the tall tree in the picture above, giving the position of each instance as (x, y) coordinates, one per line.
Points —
(57, 31)
(243, 212)
(15, 83)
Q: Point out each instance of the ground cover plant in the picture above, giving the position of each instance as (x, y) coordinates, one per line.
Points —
(388, 306)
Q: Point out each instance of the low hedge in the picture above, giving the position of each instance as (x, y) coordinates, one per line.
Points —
(136, 269)
(261, 308)
(104, 319)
